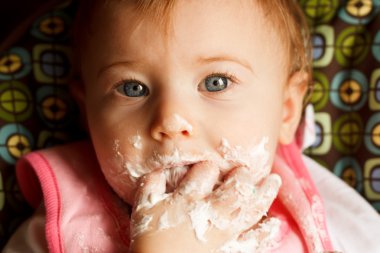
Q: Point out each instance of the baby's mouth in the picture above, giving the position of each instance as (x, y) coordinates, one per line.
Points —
(175, 174)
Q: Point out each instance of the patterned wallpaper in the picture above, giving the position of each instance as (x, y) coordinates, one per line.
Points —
(346, 41)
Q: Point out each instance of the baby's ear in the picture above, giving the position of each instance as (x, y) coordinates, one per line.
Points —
(294, 94)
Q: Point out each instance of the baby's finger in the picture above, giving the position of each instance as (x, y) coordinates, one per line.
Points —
(259, 239)
(259, 203)
(151, 189)
(244, 204)
(234, 189)
(266, 234)
(268, 191)
(199, 181)
(249, 175)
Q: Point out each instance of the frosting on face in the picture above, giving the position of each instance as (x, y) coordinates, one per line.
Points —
(135, 141)
(253, 157)
(177, 163)
(203, 214)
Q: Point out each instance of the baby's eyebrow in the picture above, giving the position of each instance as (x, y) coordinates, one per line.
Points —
(225, 58)
(199, 60)
(125, 63)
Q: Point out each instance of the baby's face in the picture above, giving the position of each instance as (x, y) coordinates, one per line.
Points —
(212, 88)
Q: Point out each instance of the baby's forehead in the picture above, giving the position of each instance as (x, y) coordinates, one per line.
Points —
(163, 10)
(282, 17)
(163, 13)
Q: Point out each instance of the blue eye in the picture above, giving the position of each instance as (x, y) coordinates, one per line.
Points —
(216, 83)
(133, 89)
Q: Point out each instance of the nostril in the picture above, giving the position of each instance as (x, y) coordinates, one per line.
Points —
(185, 133)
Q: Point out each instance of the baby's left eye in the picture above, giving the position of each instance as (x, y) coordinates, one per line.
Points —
(215, 83)
(132, 89)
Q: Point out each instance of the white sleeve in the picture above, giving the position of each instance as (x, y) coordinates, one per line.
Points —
(30, 236)
(354, 225)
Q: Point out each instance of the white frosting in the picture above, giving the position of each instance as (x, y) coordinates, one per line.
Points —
(174, 165)
(142, 225)
(116, 149)
(163, 222)
(135, 141)
(166, 222)
(176, 158)
(149, 200)
(235, 246)
(133, 169)
(255, 241)
(174, 176)
(200, 215)
(255, 157)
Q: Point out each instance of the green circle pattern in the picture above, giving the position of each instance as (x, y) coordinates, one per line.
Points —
(15, 101)
(348, 130)
(319, 11)
(352, 46)
(320, 95)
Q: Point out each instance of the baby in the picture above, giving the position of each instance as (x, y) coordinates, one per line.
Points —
(187, 87)
(192, 108)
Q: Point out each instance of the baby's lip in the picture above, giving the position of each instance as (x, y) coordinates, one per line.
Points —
(172, 165)
(175, 172)
(181, 164)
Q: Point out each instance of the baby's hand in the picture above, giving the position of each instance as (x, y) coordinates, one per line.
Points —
(196, 217)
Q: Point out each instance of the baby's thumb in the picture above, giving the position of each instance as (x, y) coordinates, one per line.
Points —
(151, 189)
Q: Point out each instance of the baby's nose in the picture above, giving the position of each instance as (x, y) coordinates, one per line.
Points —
(171, 127)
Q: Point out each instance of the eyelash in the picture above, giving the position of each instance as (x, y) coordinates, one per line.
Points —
(231, 77)
(227, 75)
(123, 81)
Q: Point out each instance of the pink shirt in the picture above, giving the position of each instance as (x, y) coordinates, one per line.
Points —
(82, 213)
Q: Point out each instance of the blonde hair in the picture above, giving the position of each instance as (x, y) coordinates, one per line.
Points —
(286, 16)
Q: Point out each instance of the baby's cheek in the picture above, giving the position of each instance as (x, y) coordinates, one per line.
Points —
(123, 186)
(117, 171)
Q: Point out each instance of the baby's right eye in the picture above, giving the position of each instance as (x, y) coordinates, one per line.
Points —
(132, 88)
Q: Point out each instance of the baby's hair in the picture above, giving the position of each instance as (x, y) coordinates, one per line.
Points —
(285, 15)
